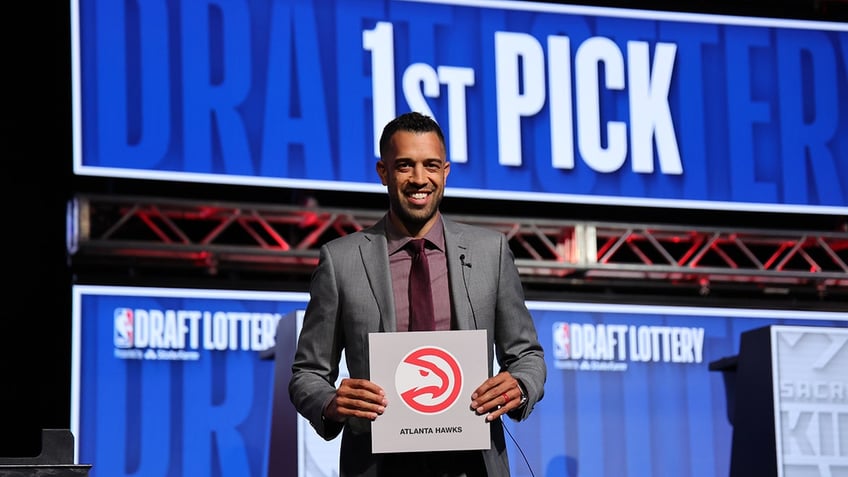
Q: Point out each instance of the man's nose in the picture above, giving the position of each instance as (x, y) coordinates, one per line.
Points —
(419, 174)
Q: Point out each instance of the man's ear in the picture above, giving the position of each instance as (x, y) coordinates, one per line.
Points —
(382, 171)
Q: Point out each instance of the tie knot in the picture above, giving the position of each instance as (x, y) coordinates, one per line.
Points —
(416, 246)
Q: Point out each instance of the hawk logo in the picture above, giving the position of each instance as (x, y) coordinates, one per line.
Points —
(428, 380)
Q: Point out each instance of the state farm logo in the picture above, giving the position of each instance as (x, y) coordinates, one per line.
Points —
(428, 380)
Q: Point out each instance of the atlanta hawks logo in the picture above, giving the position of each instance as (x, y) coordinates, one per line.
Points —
(428, 380)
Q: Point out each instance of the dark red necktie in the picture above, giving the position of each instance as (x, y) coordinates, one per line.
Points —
(421, 315)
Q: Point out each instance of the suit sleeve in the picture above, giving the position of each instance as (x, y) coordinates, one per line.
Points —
(315, 367)
(517, 346)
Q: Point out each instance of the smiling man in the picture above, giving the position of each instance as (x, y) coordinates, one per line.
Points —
(361, 286)
(414, 170)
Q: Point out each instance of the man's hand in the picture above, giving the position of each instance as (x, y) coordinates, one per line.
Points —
(356, 398)
(496, 396)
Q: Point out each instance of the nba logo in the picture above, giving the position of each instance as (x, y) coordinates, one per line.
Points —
(562, 341)
(123, 328)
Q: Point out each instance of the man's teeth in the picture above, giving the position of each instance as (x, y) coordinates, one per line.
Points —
(419, 195)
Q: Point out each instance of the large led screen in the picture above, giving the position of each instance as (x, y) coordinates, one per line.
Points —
(172, 383)
(810, 389)
(539, 101)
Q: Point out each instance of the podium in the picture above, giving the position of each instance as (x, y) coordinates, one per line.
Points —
(294, 448)
(55, 460)
(787, 398)
(283, 445)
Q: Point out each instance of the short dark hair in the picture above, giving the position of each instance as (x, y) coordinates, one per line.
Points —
(413, 122)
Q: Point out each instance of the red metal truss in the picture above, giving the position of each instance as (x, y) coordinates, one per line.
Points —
(210, 237)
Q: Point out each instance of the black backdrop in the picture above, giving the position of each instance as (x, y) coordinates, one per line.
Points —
(36, 163)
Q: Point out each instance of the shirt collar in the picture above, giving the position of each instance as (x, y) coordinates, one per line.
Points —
(397, 239)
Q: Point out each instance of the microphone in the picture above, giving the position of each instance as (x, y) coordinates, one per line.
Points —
(467, 293)
(462, 260)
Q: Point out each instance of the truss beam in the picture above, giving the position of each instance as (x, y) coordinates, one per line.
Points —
(119, 232)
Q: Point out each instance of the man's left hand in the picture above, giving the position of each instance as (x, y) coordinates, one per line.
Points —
(496, 396)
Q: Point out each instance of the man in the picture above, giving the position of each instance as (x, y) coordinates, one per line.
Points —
(360, 287)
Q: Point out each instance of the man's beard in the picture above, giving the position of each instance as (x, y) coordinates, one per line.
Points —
(415, 216)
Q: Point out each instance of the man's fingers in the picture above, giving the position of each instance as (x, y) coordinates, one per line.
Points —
(360, 398)
(496, 396)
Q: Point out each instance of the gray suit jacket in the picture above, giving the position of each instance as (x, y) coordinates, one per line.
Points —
(351, 296)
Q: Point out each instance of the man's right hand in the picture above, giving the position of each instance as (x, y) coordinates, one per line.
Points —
(356, 398)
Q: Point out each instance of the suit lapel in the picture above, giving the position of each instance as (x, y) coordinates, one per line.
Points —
(458, 256)
(375, 259)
